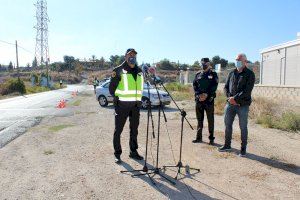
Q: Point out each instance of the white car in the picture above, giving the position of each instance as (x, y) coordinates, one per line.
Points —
(104, 97)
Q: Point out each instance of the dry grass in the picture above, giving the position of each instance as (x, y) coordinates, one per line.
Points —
(76, 103)
(59, 127)
(255, 175)
(220, 102)
(48, 152)
(209, 147)
(262, 106)
(224, 155)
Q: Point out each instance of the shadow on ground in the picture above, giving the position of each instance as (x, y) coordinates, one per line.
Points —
(177, 192)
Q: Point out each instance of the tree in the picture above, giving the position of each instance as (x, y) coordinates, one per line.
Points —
(215, 60)
(10, 66)
(166, 65)
(69, 61)
(113, 60)
(116, 60)
(218, 60)
(184, 67)
(231, 65)
(121, 59)
(93, 61)
(34, 63)
(28, 65)
(101, 62)
(223, 63)
(93, 58)
(196, 66)
(78, 68)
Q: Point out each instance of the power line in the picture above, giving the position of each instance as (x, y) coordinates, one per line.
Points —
(7, 42)
(18, 46)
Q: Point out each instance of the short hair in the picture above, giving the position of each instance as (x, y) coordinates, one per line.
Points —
(242, 55)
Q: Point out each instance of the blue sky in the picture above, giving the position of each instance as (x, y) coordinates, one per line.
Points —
(177, 30)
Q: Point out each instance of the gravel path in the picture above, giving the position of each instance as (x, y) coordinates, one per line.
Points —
(71, 157)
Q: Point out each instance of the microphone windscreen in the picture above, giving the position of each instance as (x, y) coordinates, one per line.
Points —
(152, 70)
(145, 69)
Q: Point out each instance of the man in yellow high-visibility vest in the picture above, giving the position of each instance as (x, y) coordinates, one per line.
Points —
(126, 86)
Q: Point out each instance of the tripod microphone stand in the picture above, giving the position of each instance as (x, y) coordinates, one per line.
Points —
(179, 164)
(156, 169)
(145, 169)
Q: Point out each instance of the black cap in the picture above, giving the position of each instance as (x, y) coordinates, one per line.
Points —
(205, 60)
(130, 50)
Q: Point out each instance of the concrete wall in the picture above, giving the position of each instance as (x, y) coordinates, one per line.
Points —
(277, 93)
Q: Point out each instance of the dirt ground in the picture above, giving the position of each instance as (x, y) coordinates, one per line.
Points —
(75, 160)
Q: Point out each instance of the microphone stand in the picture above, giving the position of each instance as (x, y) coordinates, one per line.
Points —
(157, 170)
(179, 164)
(145, 169)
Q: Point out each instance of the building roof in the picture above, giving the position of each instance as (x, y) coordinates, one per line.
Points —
(280, 46)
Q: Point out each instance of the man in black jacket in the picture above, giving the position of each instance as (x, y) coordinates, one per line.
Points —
(205, 86)
(238, 88)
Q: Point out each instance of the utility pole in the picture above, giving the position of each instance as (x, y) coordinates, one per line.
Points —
(47, 73)
(17, 59)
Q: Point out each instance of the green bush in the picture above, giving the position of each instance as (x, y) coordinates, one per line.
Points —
(174, 86)
(288, 121)
(266, 121)
(13, 85)
(36, 78)
(36, 89)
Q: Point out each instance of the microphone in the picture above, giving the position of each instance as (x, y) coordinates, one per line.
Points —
(150, 72)
(145, 69)
(156, 79)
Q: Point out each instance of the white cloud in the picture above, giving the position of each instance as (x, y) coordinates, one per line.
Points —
(148, 19)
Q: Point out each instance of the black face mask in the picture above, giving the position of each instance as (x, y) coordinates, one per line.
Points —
(204, 66)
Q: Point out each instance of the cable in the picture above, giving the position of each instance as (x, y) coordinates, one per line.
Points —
(151, 144)
(25, 49)
(175, 162)
(6, 42)
(17, 45)
(170, 142)
(187, 187)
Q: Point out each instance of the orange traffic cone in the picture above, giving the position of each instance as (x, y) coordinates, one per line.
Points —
(61, 104)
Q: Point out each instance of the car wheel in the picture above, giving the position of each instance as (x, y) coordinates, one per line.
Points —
(145, 102)
(102, 101)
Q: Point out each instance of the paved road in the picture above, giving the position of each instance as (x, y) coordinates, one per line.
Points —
(20, 113)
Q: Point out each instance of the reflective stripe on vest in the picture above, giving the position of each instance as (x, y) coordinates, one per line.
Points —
(130, 89)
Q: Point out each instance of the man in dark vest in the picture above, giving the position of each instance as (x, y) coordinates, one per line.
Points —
(205, 86)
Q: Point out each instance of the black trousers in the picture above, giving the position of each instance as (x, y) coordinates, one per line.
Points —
(209, 109)
(122, 112)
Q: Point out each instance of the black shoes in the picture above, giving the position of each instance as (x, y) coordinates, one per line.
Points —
(243, 152)
(197, 141)
(224, 148)
(135, 155)
(118, 159)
